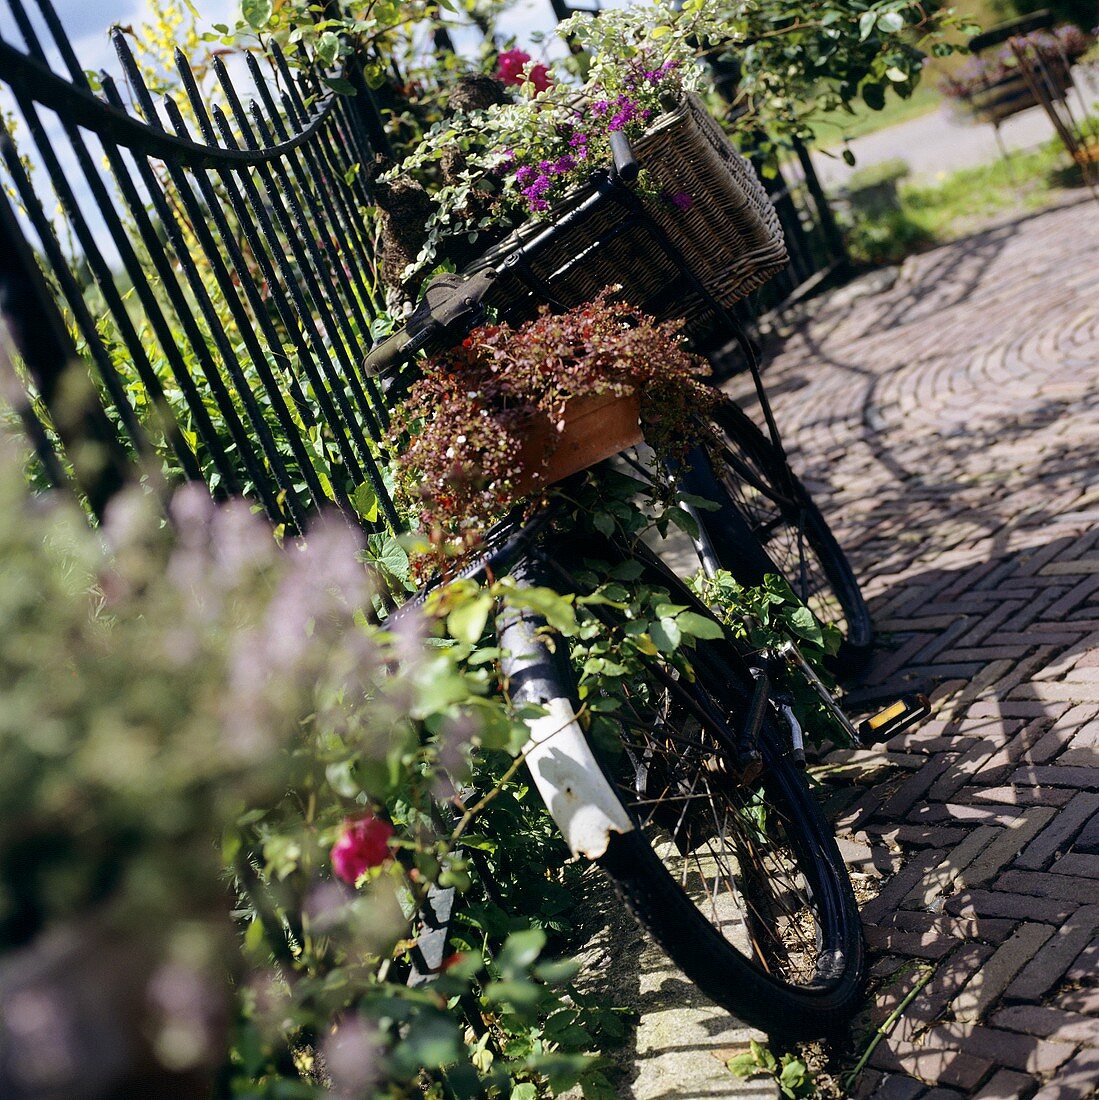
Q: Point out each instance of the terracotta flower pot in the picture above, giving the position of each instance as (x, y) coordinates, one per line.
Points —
(595, 428)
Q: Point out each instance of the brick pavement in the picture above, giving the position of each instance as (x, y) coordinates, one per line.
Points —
(950, 427)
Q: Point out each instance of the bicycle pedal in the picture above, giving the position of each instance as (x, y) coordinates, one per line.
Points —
(905, 712)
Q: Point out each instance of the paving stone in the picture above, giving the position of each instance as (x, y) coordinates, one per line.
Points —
(1007, 845)
(894, 1086)
(1056, 775)
(1078, 865)
(1006, 1084)
(1076, 1080)
(985, 903)
(933, 1062)
(1060, 832)
(993, 978)
(950, 975)
(1041, 884)
(1056, 956)
(1006, 1048)
(1088, 840)
(1054, 1023)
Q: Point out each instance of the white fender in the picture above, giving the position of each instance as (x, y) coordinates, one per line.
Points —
(576, 792)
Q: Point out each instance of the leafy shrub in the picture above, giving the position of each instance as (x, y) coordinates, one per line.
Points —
(886, 238)
(194, 724)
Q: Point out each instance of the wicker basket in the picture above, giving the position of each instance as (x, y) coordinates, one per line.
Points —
(729, 235)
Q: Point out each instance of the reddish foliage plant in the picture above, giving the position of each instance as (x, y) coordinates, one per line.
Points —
(467, 418)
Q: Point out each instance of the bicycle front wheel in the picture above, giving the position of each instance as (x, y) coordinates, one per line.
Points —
(788, 526)
(739, 879)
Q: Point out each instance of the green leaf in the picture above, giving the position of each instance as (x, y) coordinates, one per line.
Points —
(603, 523)
(891, 22)
(698, 626)
(365, 501)
(339, 85)
(257, 13)
(743, 1065)
(867, 21)
(666, 635)
(804, 623)
(467, 621)
(520, 950)
(327, 47)
(525, 1091)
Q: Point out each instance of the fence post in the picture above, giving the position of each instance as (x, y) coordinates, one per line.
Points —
(833, 238)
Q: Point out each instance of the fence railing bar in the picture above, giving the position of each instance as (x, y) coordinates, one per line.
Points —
(204, 425)
(241, 316)
(261, 235)
(103, 274)
(25, 74)
(319, 280)
(291, 320)
(272, 191)
(99, 459)
(353, 135)
(310, 179)
(193, 279)
(343, 126)
(291, 282)
(337, 184)
(59, 265)
(313, 179)
(196, 216)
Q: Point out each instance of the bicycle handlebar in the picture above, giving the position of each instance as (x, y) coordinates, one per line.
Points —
(625, 163)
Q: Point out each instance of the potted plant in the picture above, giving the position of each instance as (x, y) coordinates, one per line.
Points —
(514, 409)
(994, 86)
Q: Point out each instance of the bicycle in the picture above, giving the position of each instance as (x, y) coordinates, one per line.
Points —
(700, 813)
(768, 522)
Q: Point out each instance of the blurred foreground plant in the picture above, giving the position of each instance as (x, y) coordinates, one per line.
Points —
(203, 733)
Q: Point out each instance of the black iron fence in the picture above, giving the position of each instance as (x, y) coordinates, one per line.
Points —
(190, 278)
(207, 257)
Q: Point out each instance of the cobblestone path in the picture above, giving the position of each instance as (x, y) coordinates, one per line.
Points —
(950, 427)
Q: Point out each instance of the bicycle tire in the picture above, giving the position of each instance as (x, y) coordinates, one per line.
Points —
(788, 528)
(800, 878)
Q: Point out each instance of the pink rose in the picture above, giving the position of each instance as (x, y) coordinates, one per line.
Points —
(539, 77)
(511, 69)
(364, 843)
(510, 66)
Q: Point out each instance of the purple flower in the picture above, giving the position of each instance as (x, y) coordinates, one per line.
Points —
(524, 174)
(681, 200)
(578, 141)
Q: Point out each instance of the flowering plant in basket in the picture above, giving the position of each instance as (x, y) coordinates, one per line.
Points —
(468, 422)
(508, 150)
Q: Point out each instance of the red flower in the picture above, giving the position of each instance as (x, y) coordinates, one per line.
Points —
(511, 69)
(364, 843)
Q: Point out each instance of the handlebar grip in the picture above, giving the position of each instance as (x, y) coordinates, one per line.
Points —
(625, 163)
(390, 353)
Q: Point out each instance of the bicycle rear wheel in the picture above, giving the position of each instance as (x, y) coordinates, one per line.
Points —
(787, 526)
(740, 882)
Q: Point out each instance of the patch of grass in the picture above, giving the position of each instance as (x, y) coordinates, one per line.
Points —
(969, 197)
(961, 203)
